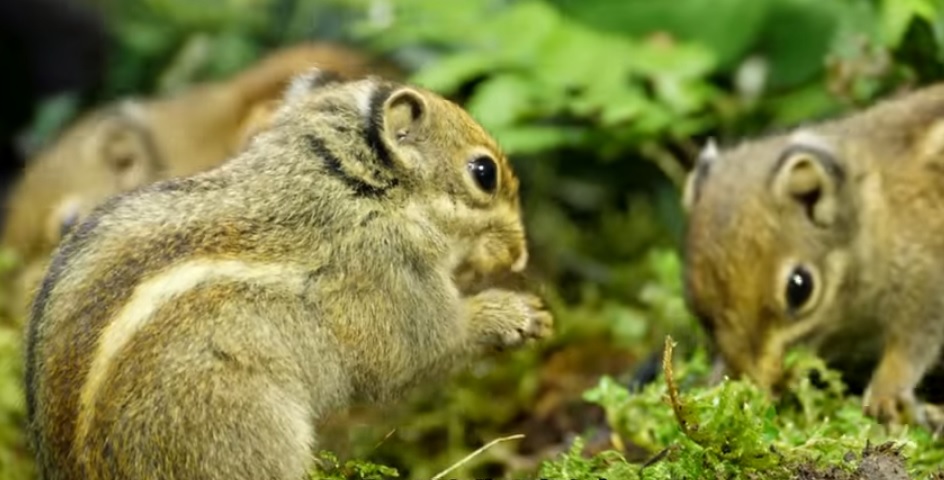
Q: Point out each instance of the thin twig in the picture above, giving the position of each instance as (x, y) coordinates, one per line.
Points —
(674, 399)
(389, 434)
(475, 453)
(658, 457)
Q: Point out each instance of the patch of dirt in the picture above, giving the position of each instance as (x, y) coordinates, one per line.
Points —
(882, 462)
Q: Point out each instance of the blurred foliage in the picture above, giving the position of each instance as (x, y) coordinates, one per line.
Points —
(15, 457)
(601, 105)
(13, 453)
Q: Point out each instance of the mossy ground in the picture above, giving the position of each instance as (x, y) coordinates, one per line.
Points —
(680, 427)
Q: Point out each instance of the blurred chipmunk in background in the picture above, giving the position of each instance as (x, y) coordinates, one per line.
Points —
(134, 142)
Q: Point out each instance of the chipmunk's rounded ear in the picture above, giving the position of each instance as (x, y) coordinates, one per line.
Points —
(125, 148)
(809, 178)
(706, 158)
(404, 112)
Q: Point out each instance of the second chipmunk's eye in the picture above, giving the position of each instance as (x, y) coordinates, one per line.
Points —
(799, 288)
(485, 173)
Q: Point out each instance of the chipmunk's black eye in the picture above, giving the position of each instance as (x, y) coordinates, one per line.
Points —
(485, 173)
(799, 288)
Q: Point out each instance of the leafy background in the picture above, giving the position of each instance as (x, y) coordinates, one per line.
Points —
(602, 105)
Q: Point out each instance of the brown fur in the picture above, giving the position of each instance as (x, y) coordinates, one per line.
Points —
(132, 143)
(870, 228)
(325, 254)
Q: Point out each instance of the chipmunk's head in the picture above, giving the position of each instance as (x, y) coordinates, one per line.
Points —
(767, 246)
(464, 179)
(448, 170)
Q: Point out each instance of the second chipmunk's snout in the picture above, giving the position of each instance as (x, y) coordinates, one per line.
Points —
(759, 358)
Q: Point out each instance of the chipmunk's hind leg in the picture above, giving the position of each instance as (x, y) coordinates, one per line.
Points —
(238, 425)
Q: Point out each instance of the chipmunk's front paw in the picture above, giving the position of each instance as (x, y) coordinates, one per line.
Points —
(509, 319)
(892, 405)
(533, 322)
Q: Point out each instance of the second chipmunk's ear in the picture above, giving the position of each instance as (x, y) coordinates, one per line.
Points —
(124, 145)
(809, 176)
(706, 158)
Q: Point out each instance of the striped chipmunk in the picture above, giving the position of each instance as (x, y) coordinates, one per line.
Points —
(201, 327)
(830, 236)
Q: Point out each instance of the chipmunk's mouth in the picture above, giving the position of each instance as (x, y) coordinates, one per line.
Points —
(521, 263)
(767, 372)
(760, 363)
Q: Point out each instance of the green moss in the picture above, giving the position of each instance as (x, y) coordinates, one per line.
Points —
(333, 469)
(731, 430)
(15, 458)
(734, 430)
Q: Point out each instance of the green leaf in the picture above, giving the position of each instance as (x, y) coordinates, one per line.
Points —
(530, 139)
(811, 102)
(500, 101)
(704, 22)
(145, 37)
(447, 75)
(529, 22)
(232, 51)
(897, 15)
(797, 38)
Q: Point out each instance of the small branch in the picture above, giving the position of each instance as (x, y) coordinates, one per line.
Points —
(658, 457)
(476, 453)
(386, 437)
(688, 426)
(674, 400)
